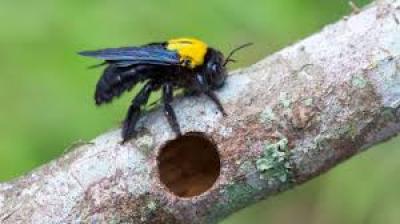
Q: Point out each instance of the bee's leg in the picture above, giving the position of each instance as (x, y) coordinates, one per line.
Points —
(216, 100)
(203, 86)
(189, 92)
(168, 110)
(128, 129)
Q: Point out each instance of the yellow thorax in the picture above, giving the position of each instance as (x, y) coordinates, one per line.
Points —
(189, 49)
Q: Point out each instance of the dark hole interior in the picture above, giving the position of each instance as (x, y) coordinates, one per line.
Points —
(189, 165)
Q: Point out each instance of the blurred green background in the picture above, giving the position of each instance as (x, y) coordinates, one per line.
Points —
(46, 91)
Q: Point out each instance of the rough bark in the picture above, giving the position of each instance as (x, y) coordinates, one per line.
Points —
(292, 116)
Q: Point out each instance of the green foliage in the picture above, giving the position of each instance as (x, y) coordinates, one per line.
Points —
(46, 92)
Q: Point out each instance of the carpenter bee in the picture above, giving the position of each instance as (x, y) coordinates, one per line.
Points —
(182, 63)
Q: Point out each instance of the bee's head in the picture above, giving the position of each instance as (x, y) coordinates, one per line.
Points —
(216, 66)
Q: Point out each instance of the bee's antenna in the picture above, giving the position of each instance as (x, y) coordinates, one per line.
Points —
(228, 59)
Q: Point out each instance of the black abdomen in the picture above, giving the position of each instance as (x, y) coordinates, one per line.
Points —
(116, 80)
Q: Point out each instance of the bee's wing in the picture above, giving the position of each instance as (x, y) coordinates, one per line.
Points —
(126, 56)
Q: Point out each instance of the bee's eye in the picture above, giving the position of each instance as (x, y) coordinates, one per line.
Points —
(214, 67)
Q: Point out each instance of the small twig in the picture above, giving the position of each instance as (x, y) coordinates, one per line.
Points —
(355, 9)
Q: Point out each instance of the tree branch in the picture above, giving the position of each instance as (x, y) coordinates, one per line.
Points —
(291, 117)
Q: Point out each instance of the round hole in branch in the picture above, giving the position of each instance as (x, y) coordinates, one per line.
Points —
(189, 165)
